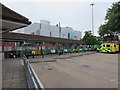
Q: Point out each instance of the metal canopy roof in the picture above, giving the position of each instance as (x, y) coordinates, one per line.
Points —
(38, 39)
(12, 20)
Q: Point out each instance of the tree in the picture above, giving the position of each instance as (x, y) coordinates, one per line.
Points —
(112, 25)
(104, 30)
(90, 39)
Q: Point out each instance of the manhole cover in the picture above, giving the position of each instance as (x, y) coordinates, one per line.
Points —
(50, 69)
(87, 66)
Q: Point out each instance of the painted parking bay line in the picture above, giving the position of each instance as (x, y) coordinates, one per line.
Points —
(12, 80)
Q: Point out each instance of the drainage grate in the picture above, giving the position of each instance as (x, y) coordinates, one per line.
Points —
(50, 69)
(86, 66)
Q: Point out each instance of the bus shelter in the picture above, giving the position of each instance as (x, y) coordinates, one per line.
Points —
(26, 43)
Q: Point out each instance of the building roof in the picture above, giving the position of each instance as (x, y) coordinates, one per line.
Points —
(12, 20)
(116, 42)
(37, 38)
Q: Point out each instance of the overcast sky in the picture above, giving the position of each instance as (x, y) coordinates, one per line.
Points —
(76, 14)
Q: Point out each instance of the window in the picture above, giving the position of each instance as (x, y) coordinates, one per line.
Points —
(99, 47)
(103, 45)
(68, 35)
(107, 45)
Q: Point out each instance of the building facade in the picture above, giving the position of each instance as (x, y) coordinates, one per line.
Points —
(45, 29)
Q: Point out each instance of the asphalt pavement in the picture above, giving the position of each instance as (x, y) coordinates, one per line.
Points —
(96, 70)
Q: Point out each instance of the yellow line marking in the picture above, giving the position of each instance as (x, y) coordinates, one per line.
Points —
(16, 79)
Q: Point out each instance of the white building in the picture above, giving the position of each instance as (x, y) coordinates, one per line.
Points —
(45, 29)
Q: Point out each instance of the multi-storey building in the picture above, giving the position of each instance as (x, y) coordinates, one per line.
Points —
(45, 29)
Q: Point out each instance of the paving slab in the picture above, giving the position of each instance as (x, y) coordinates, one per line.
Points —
(13, 74)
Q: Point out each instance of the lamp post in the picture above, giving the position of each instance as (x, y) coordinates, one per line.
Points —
(92, 4)
(59, 31)
(40, 29)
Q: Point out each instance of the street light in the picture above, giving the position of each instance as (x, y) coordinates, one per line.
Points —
(59, 30)
(92, 4)
(40, 29)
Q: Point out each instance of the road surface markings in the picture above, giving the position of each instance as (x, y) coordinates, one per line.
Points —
(16, 79)
(22, 62)
(114, 80)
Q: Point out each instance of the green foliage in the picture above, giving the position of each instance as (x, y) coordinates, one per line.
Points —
(90, 39)
(112, 25)
(103, 30)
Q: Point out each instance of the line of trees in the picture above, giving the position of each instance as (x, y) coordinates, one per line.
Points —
(90, 39)
(111, 27)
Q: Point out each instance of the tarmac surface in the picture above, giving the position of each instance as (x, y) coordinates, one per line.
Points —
(13, 74)
(54, 57)
(98, 70)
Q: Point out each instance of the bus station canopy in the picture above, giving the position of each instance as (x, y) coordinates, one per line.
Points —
(11, 20)
(37, 39)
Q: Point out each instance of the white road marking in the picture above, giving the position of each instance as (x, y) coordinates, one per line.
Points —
(114, 80)
(22, 62)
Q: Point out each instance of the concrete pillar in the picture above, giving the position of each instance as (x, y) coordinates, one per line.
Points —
(0, 75)
(1, 58)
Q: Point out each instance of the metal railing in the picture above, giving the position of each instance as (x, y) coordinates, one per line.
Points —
(32, 79)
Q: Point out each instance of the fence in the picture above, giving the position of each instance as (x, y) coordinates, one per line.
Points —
(32, 79)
